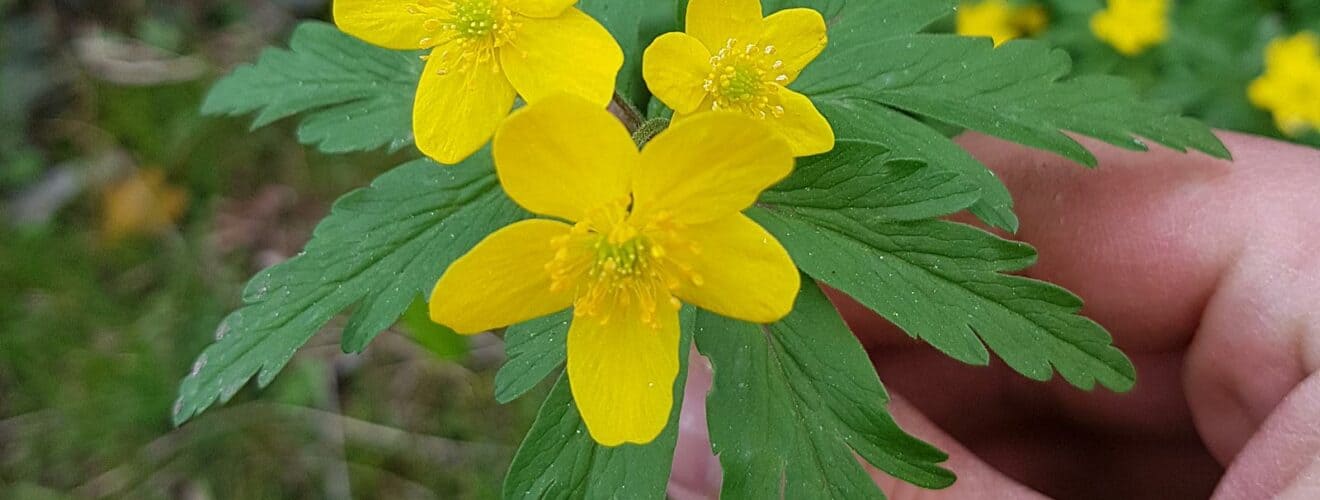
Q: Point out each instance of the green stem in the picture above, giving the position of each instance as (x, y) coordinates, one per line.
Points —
(649, 130)
(626, 113)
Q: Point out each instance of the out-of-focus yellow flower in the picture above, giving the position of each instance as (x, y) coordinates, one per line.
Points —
(1290, 87)
(1132, 26)
(483, 54)
(141, 204)
(733, 59)
(645, 230)
(1000, 20)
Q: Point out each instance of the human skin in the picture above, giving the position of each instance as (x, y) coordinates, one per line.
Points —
(1208, 275)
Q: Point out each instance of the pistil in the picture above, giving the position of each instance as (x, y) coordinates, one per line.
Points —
(746, 77)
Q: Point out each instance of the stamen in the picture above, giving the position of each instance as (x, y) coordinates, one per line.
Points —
(472, 31)
(746, 80)
(615, 266)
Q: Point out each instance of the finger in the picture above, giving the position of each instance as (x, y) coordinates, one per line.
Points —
(696, 471)
(1307, 486)
(1132, 238)
(943, 389)
(1168, 247)
(1283, 458)
(976, 479)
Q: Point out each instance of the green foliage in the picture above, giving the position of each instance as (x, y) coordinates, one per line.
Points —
(355, 96)
(1018, 92)
(937, 280)
(1214, 51)
(634, 25)
(854, 21)
(859, 179)
(436, 338)
(864, 120)
(559, 460)
(535, 348)
(791, 402)
(379, 248)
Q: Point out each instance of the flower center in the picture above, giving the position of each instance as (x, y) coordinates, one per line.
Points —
(467, 32)
(614, 267)
(747, 78)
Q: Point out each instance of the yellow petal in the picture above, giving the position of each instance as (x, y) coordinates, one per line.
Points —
(385, 23)
(806, 130)
(564, 156)
(798, 36)
(539, 8)
(501, 281)
(622, 375)
(708, 167)
(456, 112)
(570, 53)
(743, 270)
(714, 22)
(675, 67)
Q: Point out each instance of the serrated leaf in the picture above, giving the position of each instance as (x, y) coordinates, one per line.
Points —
(860, 22)
(534, 348)
(380, 247)
(851, 21)
(863, 180)
(559, 460)
(1018, 91)
(860, 119)
(943, 282)
(792, 401)
(354, 96)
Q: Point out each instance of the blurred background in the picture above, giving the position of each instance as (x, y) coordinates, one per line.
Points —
(128, 225)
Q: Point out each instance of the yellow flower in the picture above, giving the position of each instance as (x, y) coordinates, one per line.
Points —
(1132, 26)
(483, 53)
(1290, 87)
(733, 59)
(645, 231)
(1000, 20)
(141, 204)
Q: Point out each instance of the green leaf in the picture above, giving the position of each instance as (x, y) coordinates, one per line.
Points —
(380, 247)
(534, 348)
(852, 21)
(355, 96)
(792, 401)
(862, 180)
(633, 24)
(943, 282)
(436, 338)
(558, 459)
(859, 119)
(1017, 92)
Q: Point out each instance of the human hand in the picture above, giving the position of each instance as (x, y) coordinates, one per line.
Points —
(1208, 275)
